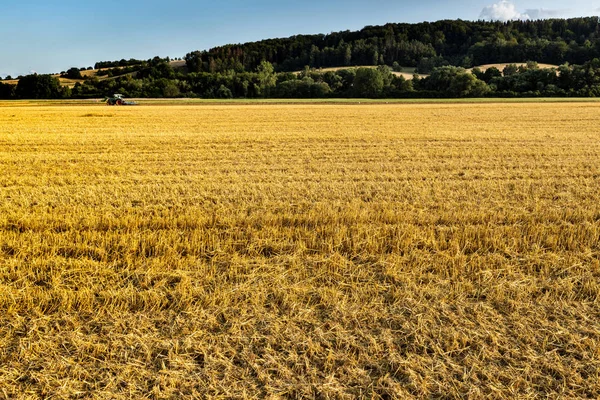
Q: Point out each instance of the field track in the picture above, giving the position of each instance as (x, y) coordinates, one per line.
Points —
(323, 251)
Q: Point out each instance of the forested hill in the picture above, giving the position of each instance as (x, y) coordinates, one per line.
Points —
(424, 45)
(296, 67)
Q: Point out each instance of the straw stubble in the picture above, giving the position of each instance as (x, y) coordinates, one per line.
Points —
(300, 251)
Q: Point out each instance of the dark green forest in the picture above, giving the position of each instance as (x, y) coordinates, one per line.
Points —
(291, 67)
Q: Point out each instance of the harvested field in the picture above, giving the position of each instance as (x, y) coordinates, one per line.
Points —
(407, 73)
(333, 251)
(501, 67)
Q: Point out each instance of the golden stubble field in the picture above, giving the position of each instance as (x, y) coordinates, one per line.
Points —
(300, 251)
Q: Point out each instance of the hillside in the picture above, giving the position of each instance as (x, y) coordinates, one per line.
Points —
(94, 73)
(443, 53)
(501, 66)
(407, 72)
(424, 45)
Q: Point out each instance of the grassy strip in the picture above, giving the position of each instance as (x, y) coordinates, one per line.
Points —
(188, 101)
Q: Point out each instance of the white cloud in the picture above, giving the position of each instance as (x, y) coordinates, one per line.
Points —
(502, 11)
(544, 13)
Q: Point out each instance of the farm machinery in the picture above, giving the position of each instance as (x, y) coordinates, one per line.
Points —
(118, 100)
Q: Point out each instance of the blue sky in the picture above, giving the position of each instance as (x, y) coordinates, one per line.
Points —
(51, 36)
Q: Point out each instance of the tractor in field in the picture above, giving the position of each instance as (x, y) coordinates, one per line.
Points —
(118, 100)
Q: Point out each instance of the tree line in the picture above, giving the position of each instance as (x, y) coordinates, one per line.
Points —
(161, 80)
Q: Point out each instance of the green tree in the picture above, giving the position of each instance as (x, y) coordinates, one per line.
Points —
(478, 73)
(333, 80)
(266, 77)
(428, 64)
(7, 91)
(163, 70)
(368, 82)
(39, 87)
(386, 74)
(347, 55)
(193, 61)
(455, 82)
(171, 90)
(490, 74)
(402, 85)
(510, 69)
(224, 93)
(73, 73)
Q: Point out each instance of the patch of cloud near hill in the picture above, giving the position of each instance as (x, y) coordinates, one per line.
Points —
(502, 11)
(543, 13)
(507, 11)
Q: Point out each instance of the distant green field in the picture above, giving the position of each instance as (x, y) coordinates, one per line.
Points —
(377, 101)
(188, 101)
